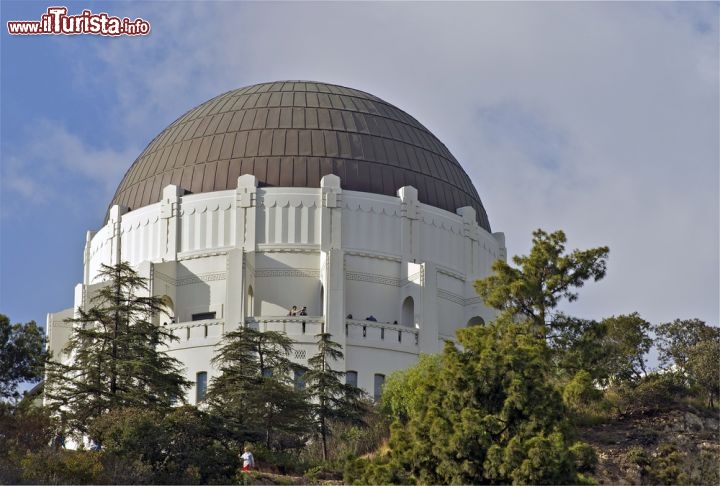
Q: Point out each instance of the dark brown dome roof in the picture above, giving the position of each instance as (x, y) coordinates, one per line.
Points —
(290, 134)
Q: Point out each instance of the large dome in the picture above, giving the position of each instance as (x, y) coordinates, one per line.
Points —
(292, 133)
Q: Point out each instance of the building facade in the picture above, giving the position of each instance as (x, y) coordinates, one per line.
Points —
(299, 194)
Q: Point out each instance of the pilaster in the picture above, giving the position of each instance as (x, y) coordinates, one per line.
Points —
(333, 259)
(410, 226)
(429, 326)
(245, 212)
(170, 222)
(115, 221)
(86, 257)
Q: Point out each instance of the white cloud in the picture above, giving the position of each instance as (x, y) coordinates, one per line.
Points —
(600, 119)
(52, 160)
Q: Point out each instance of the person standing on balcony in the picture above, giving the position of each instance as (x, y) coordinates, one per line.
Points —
(293, 311)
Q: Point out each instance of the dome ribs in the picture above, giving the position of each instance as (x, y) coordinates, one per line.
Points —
(291, 134)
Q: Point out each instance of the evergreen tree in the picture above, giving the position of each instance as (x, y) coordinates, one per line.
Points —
(115, 355)
(22, 355)
(543, 278)
(333, 400)
(489, 414)
(254, 392)
(693, 348)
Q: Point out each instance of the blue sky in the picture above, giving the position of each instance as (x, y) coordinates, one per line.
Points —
(600, 119)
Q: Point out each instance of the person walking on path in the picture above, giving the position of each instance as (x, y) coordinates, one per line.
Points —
(248, 459)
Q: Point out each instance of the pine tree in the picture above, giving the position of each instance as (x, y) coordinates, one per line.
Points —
(485, 412)
(115, 355)
(254, 391)
(332, 399)
(543, 278)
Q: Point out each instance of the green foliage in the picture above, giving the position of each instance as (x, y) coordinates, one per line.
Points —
(667, 465)
(254, 393)
(64, 467)
(543, 278)
(23, 429)
(402, 390)
(490, 414)
(375, 471)
(656, 391)
(676, 339)
(702, 368)
(332, 399)
(584, 457)
(694, 348)
(116, 360)
(625, 343)
(183, 446)
(581, 392)
(22, 355)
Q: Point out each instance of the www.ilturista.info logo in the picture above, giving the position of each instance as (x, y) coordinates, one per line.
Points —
(57, 21)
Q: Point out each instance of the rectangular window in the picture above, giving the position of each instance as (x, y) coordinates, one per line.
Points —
(377, 389)
(298, 379)
(201, 316)
(351, 378)
(200, 386)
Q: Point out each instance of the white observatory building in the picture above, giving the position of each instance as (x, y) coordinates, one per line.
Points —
(299, 194)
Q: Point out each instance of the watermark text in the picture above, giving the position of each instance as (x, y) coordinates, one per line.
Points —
(57, 21)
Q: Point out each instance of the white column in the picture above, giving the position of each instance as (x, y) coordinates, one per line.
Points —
(115, 220)
(410, 226)
(331, 252)
(170, 233)
(245, 209)
(86, 257)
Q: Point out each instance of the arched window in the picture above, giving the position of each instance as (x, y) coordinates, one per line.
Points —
(408, 312)
(476, 321)
(200, 386)
(167, 314)
(250, 302)
(378, 384)
(298, 379)
(322, 300)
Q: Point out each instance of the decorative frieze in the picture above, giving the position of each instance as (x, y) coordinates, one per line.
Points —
(451, 296)
(287, 272)
(191, 279)
(373, 278)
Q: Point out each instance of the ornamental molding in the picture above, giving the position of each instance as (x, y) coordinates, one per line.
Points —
(191, 279)
(373, 207)
(270, 248)
(200, 208)
(201, 254)
(282, 272)
(286, 202)
(373, 278)
(200, 278)
(473, 300)
(451, 296)
(443, 223)
(376, 256)
(450, 273)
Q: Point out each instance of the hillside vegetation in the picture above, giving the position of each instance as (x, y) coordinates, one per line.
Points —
(534, 397)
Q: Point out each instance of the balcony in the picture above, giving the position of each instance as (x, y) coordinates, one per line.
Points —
(301, 328)
(196, 333)
(381, 335)
(293, 326)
